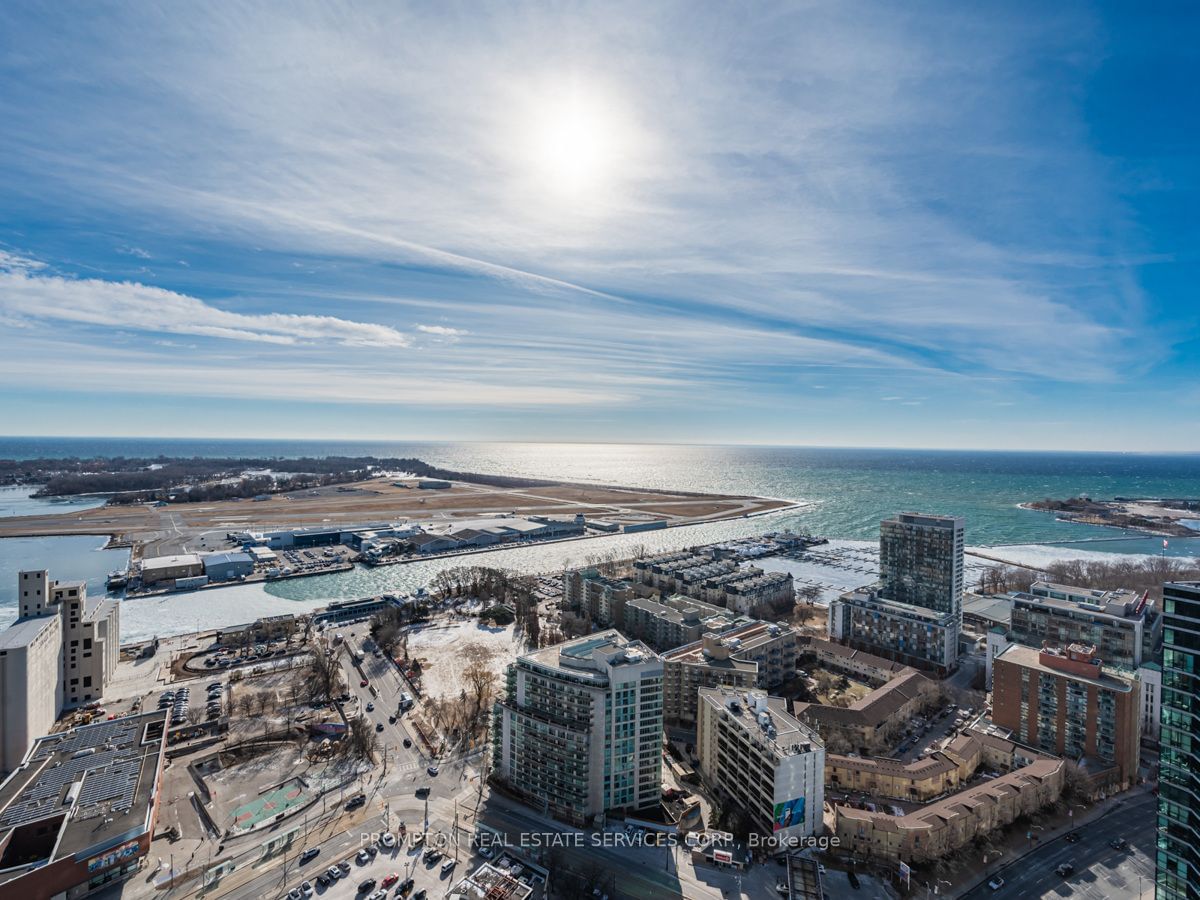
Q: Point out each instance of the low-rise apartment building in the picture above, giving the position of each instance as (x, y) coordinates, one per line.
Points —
(928, 777)
(704, 575)
(873, 723)
(942, 828)
(1124, 625)
(753, 753)
(1066, 702)
(675, 621)
(755, 654)
(707, 663)
(846, 660)
(913, 635)
(598, 597)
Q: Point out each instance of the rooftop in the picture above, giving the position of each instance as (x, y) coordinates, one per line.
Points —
(874, 708)
(592, 656)
(697, 654)
(870, 598)
(22, 632)
(1031, 658)
(963, 803)
(226, 556)
(996, 609)
(765, 717)
(862, 657)
(678, 609)
(1119, 604)
(490, 883)
(163, 562)
(92, 785)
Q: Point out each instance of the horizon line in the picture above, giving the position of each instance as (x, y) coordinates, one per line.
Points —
(614, 443)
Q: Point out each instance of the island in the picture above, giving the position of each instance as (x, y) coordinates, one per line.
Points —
(1162, 516)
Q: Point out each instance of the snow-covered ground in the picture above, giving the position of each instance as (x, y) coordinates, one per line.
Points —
(444, 651)
(1036, 555)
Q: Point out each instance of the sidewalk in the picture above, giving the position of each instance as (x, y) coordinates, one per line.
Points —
(1019, 847)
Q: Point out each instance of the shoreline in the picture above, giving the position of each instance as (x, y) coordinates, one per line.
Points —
(1167, 530)
(519, 545)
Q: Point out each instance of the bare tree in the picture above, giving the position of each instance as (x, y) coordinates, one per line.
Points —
(245, 703)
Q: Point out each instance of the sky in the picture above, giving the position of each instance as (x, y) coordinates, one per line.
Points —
(846, 224)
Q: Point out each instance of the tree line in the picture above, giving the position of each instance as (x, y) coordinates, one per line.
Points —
(1122, 572)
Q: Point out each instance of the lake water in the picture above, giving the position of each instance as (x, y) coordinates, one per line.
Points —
(845, 492)
(18, 500)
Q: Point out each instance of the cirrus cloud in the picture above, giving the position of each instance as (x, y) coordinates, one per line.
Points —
(26, 292)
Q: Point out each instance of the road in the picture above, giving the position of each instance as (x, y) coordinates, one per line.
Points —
(1101, 873)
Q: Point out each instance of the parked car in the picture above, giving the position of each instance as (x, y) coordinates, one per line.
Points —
(996, 883)
(1072, 837)
(363, 857)
(363, 683)
(367, 885)
(432, 770)
(334, 873)
(389, 880)
(448, 867)
(387, 839)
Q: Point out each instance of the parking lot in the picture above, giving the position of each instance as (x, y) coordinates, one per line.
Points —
(930, 734)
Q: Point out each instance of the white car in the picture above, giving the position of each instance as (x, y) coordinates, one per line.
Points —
(996, 883)
(306, 888)
(388, 839)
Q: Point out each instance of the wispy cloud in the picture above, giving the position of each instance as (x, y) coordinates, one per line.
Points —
(25, 291)
(441, 330)
(868, 198)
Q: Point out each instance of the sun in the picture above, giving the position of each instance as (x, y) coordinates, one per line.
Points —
(576, 142)
(574, 147)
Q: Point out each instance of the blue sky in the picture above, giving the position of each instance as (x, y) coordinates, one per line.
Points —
(928, 225)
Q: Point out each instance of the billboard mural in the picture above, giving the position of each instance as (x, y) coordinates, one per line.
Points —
(113, 856)
(789, 813)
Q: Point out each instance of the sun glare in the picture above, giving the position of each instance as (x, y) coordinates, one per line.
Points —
(573, 147)
(576, 144)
